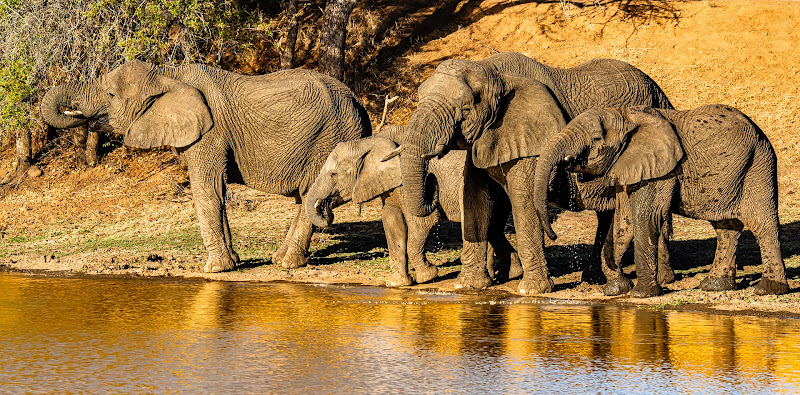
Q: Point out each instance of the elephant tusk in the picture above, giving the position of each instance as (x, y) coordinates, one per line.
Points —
(392, 154)
(317, 203)
(72, 113)
(569, 158)
(435, 153)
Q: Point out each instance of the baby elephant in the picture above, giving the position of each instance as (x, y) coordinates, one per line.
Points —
(709, 163)
(359, 170)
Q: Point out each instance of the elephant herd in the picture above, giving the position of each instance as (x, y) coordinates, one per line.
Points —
(504, 135)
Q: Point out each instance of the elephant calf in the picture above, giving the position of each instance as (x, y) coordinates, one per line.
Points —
(361, 170)
(709, 163)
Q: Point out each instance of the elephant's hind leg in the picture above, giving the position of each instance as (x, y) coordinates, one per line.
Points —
(664, 273)
(293, 252)
(722, 276)
(508, 265)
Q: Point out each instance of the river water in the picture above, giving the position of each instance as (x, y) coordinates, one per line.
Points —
(127, 335)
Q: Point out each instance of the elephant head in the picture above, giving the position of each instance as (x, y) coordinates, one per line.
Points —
(624, 146)
(355, 170)
(467, 104)
(148, 107)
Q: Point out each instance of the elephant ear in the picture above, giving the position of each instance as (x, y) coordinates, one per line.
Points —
(653, 149)
(528, 116)
(177, 116)
(376, 177)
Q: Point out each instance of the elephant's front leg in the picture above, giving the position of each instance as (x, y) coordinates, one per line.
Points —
(293, 252)
(649, 205)
(396, 231)
(476, 208)
(530, 239)
(617, 241)
(508, 265)
(208, 193)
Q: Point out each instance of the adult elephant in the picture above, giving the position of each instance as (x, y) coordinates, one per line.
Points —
(709, 163)
(492, 108)
(270, 132)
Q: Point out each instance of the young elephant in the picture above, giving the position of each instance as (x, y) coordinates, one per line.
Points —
(360, 171)
(709, 163)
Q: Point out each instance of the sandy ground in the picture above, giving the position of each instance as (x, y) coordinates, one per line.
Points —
(132, 215)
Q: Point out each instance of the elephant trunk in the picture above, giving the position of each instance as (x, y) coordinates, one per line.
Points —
(320, 201)
(563, 147)
(83, 100)
(428, 134)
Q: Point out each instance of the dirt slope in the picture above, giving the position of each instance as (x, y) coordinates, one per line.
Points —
(133, 213)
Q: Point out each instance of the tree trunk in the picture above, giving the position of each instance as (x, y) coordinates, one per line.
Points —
(24, 157)
(334, 35)
(289, 43)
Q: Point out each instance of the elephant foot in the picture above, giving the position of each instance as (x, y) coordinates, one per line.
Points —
(399, 280)
(593, 275)
(425, 273)
(473, 280)
(531, 285)
(219, 264)
(515, 270)
(292, 260)
(665, 275)
(646, 289)
(235, 257)
(617, 286)
(771, 287)
(711, 283)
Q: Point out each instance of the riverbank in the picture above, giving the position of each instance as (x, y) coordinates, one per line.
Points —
(132, 214)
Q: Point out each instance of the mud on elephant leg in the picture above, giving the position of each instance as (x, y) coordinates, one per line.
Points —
(396, 231)
(419, 228)
(773, 278)
(208, 194)
(722, 276)
(298, 239)
(476, 209)
(665, 274)
(530, 236)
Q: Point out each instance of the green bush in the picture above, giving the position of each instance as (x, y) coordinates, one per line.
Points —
(46, 42)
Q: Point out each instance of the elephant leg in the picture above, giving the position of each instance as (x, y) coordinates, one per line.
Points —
(508, 265)
(208, 192)
(773, 278)
(297, 241)
(226, 227)
(277, 257)
(530, 237)
(419, 228)
(649, 205)
(617, 242)
(722, 276)
(476, 207)
(79, 137)
(592, 272)
(665, 273)
(396, 231)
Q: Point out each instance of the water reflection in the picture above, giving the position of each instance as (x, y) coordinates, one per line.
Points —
(131, 335)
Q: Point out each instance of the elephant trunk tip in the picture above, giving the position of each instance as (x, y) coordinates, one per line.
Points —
(321, 213)
(545, 220)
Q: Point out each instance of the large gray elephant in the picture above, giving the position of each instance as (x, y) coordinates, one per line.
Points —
(709, 163)
(364, 169)
(504, 109)
(270, 132)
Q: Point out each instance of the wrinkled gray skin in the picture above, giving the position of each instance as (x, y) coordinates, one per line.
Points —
(270, 132)
(504, 109)
(359, 171)
(709, 163)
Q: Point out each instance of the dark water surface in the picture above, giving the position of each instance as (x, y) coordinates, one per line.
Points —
(151, 335)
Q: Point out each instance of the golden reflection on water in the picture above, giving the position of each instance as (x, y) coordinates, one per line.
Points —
(124, 335)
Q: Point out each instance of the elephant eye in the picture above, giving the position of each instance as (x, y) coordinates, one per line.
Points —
(334, 174)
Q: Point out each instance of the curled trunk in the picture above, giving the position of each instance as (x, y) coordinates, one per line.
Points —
(319, 204)
(83, 97)
(554, 153)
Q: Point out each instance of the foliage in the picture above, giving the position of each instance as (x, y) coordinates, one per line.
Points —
(45, 42)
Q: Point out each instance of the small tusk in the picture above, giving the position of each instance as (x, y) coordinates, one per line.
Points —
(316, 205)
(392, 154)
(72, 113)
(569, 158)
(435, 153)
